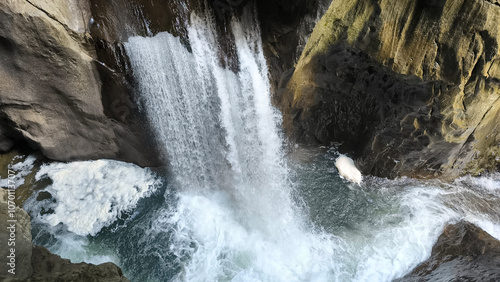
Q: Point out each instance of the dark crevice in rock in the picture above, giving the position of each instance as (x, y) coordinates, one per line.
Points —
(52, 17)
(493, 2)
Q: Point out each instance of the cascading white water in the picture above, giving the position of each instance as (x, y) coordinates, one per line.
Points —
(218, 128)
(235, 217)
(221, 136)
(231, 214)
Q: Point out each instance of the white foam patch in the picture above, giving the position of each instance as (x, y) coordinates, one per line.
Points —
(90, 195)
(347, 169)
(485, 223)
(490, 183)
(227, 250)
(20, 169)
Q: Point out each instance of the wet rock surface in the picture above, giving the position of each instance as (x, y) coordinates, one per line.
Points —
(407, 87)
(464, 252)
(50, 267)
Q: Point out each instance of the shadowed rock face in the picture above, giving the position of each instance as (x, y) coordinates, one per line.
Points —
(463, 252)
(51, 92)
(408, 87)
(285, 26)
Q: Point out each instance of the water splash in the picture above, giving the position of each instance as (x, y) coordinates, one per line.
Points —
(87, 196)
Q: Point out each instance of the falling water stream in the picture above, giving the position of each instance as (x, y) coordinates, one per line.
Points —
(234, 206)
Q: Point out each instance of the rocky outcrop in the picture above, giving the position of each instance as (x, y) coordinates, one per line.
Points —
(463, 252)
(406, 87)
(51, 93)
(50, 267)
(66, 87)
(26, 262)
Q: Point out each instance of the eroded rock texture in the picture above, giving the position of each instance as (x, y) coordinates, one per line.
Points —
(50, 86)
(407, 87)
(50, 267)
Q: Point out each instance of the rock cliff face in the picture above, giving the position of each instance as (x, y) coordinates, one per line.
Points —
(407, 87)
(34, 263)
(50, 86)
(463, 252)
(65, 84)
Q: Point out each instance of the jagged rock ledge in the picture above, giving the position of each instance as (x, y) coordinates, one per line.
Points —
(35, 263)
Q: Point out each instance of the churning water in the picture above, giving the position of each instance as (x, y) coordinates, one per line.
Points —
(234, 206)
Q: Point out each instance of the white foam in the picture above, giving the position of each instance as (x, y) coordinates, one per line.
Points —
(227, 250)
(20, 169)
(92, 194)
(347, 169)
(490, 183)
(403, 239)
(77, 249)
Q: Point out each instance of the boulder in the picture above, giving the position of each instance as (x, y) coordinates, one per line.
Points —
(51, 94)
(464, 252)
(51, 267)
(409, 88)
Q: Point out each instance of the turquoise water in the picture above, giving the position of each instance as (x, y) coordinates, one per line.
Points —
(376, 231)
(234, 205)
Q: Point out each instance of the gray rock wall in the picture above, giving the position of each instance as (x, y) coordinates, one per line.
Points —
(51, 89)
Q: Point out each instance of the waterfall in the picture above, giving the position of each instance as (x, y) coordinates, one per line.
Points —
(217, 128)
(229, 209)
(221, 136)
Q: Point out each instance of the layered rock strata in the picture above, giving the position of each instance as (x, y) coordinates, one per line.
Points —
(406, 87)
